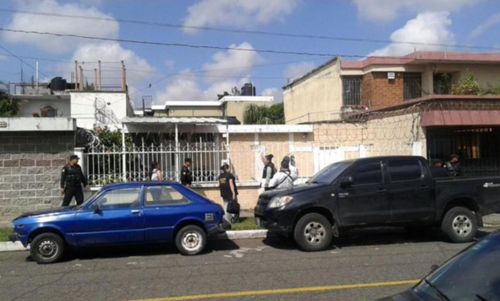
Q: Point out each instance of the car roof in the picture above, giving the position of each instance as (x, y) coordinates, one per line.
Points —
(140, 183)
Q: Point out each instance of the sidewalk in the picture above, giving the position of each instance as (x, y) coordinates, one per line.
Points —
(492, 220)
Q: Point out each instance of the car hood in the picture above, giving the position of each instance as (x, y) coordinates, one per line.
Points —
(50, 211)
(295, 190)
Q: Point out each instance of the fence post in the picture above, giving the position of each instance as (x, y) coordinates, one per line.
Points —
(124, 157)
(177, 165)
(79, 152)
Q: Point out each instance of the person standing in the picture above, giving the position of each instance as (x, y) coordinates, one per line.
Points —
(228, 191)
(72, 178)
(291, 166)
(156, 172)
(282, 179)
(186, 173)
(453, 166)
(438, 170)
(268, 172)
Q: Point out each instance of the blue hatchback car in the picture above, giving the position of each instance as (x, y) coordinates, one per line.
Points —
(123, 214)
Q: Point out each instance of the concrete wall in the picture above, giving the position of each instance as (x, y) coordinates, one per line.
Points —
(112, 108)
(31, 105)
(30, 166)
(319, 93)
(191, 111)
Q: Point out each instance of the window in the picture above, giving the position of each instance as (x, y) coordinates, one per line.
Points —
(412, 83)
(164, 195)
(442, 83)
(120, 199)
(370, 173)
(351, 90)
(404, 170)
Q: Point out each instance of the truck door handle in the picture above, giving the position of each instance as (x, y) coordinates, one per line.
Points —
(135, 211)
(381, 190)
(423, 187)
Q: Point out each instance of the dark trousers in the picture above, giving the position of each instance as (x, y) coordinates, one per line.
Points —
(69, 193)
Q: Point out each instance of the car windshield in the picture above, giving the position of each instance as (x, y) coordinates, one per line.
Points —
(329, 173)
(472, 275)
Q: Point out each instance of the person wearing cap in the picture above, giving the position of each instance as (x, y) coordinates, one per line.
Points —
(186, 173)
(228, 191)
(268, 172)
(282, 179)
(72, 178)
(453, 166)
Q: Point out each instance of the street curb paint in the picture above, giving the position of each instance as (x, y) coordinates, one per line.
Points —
(11, 246)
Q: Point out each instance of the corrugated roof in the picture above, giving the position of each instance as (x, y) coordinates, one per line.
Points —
(173, 120)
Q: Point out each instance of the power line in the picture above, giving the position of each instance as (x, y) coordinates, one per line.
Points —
(22, 61)
(192, 46)
(242, 31)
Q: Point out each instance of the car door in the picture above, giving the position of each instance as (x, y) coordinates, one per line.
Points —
(164, 208)
(410, 191)
(365, 201)
(118, 220)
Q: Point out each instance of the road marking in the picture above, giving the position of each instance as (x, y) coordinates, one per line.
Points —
(284, 291)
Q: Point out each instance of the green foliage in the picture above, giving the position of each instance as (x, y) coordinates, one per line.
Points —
(492, 89)
(466, 86)
(109, 138)
(255, 114)
(8, 107)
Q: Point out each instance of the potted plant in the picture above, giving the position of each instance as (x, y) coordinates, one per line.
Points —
(35, 114)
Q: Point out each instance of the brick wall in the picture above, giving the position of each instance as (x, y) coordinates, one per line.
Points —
(379, 92)
(30, 165)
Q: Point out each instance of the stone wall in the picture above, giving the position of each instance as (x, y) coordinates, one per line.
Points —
(30, 166)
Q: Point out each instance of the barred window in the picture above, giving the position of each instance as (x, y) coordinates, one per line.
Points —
(351, 88)
(412, 85)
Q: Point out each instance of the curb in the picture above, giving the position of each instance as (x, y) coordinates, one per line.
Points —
(242, 234)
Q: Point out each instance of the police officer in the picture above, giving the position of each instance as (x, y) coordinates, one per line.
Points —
(72, 179)
(268, 172)
(453, 166)
(186, 173)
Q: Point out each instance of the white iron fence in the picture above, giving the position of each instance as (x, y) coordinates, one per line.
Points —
(105, 165)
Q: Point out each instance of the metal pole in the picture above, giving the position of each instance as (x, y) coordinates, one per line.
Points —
(76, 75)
(37, 77)
(227, 145)
(177, 163)
(99, 87)
(124, 159)
(95, 80)
(81, 78)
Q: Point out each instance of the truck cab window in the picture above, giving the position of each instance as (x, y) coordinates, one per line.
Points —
(365, 174)
(404, 170)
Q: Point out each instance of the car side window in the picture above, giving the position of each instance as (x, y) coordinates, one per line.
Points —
(366, 174)
(164, 195)
(120, 199)
(404, 170)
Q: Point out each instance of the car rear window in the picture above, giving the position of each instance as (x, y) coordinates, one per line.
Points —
(164, 195)
(404, 170)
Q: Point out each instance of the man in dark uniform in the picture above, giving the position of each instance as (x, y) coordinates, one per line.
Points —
(453, 166)
(228, 191)
(186, 173)
(72, 179)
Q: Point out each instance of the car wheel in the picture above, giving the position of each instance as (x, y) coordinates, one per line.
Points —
(460, 225)
(191, 240)
(313, 232)
(47, 248)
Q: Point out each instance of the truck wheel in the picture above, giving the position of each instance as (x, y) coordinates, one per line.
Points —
(47, 248)
(191, 240)
(313, 232)
(460, 225)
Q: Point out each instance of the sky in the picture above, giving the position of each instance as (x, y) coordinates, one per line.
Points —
(168, 73)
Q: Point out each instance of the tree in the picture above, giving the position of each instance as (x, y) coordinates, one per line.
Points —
(8, 106)
(468, 85)
(255, 114)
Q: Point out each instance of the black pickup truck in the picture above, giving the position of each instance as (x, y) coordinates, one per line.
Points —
(397, 191)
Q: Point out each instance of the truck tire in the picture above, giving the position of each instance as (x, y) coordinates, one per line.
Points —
(459, 225)
(191, 240)
(313, 232)
(47, 248)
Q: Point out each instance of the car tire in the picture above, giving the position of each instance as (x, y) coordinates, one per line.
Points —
(47, 248)
(191, 240)
(459, 225)
(313, 232)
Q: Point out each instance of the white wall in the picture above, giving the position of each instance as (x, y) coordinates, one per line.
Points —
(111, 108)
(32, 105)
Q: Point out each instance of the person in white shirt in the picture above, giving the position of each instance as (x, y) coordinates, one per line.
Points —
(282, 179)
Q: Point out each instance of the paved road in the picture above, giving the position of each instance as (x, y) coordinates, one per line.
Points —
(249, 266)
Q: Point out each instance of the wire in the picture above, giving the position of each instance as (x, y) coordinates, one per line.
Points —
(193, 46)
(240, 31)
(22, 61)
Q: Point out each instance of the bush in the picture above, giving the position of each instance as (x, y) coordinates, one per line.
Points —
(466, 86)
(255, 114)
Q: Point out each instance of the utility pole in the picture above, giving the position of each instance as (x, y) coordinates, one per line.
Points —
(99, 85)
(76, 82)
(124, 77)
(95, 80)
(81, 78)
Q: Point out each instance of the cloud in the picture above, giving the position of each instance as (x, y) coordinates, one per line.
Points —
(228, 63)
(490, 22)
(58, 45)
(169, 64)
(388, 10)
(275, 92)
(238, 13)
(112, 52)
(430, 27)
(296, 70)
(181, 88)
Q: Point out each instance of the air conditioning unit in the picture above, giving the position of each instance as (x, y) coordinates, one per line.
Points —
(391, 75)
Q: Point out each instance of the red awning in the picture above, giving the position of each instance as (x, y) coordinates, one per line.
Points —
(455, 117)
